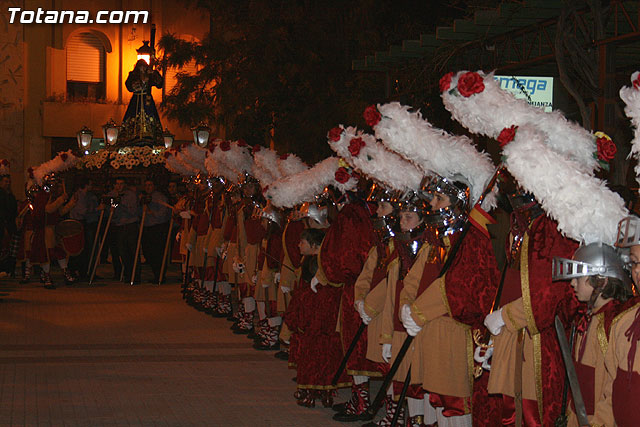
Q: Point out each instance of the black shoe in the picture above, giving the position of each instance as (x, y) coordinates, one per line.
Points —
(241, 331)
(349, 418)
(340, 407)
(50, 286)
(282, 355)
(263, 346)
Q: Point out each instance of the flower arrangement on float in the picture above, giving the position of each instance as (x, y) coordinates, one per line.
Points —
(124, 157)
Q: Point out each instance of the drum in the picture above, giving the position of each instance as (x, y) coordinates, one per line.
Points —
(70, 235)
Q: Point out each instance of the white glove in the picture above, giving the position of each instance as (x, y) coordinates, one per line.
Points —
(185, 215)
(409, 324)
(178, 236)
(386, 352)
(276, 278)
(254, 279)
(285, 289)
(359, 305)
(494, 322)
(238, 267)
(482, 355)
(314, 284)
(189, 247)
(220, 251)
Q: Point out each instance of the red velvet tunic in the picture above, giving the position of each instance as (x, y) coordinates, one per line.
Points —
(344, 251)
(548, 299)
(313, 320)
(274, 248)
(201, 220)
(291, 239)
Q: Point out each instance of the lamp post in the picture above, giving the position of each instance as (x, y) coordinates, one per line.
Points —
(145, 51)
(168, 138)
(201, 134)
(110, 131)
(84, 135)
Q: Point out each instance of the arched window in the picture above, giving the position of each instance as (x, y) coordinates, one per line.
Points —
(86, 60)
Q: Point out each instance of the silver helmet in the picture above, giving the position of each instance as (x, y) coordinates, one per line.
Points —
(452, 218)
(594, 259)
(273, 214)
(319, 214)
(628, 232)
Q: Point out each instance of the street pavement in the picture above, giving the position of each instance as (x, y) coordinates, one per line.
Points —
(111, 354)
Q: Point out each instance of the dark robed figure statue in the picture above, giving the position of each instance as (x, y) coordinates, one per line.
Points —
(141, 123)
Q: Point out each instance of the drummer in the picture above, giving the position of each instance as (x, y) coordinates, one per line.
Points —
(85, 211)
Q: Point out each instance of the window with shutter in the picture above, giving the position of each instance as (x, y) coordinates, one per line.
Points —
(85, 67)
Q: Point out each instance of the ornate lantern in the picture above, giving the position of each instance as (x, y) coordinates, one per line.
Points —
(168, 138)
(84, 135)
(201, 134)
(110, 131)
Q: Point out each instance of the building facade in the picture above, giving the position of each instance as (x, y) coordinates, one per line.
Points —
(57, 78)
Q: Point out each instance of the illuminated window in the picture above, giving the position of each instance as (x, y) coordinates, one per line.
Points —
(86, 60)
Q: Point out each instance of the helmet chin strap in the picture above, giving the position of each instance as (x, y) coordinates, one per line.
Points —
(594, 295)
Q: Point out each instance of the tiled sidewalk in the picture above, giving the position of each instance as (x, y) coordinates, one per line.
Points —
(119, 355)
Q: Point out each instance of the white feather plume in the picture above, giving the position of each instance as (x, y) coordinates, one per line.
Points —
(232, 163)
(215, 167)
(631, 97)
(290, 165)
(302, 187)
(194, 155)
(493, 109)
(238, 158)
(585, 209)
(175, 165)
(267, 160)
(434, 150)
(375, 161)
(55, 165)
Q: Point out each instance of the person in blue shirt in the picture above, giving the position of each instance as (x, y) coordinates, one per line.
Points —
(86, 211)
(155, 228)
(124, 229)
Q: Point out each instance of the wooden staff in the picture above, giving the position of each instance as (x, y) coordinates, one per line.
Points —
(135, 258)
(104, 237)
(165, 253)
(95, 241)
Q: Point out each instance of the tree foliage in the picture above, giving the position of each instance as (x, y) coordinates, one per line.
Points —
(284, 67)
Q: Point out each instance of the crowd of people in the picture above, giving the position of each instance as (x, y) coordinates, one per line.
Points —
(51, 226)
(410, 258)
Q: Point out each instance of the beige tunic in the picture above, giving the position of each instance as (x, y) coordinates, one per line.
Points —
(503, 361)
(373, 304)
(447, 353)
(396, 338)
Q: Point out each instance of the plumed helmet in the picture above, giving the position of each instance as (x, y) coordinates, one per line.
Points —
(272, 214)
(451, 218)
(319, 214)
(593, 259)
